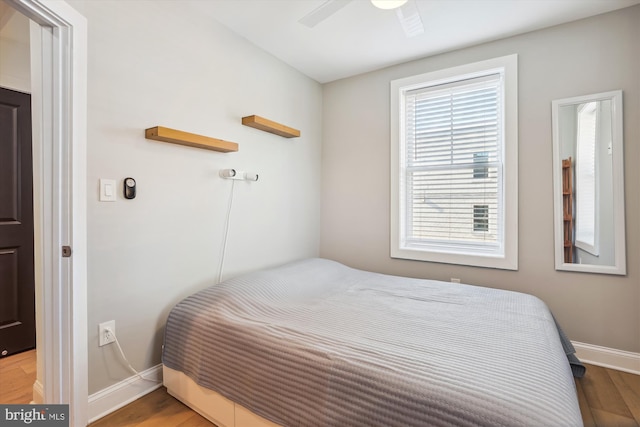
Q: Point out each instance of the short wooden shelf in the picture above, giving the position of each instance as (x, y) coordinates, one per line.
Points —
(270, 126)
(163, 134)
(567, 209)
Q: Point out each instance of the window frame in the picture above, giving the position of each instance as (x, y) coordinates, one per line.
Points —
(507, 256)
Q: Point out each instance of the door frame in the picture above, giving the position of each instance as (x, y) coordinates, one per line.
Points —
(59, 105)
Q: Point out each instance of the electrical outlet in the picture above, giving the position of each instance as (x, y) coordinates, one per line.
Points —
(106, 338)
(455, 280)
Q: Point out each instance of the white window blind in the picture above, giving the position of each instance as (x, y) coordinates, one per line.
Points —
(453, 165)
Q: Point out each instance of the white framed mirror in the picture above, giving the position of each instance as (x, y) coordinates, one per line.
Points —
(588, 183)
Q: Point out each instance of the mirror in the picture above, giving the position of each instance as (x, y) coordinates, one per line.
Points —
(588, 183)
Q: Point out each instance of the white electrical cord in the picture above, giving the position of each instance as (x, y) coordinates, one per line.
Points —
(226, 232)
(110, 333)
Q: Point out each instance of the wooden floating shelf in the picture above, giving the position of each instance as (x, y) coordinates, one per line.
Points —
(163, 134)
(270, 126)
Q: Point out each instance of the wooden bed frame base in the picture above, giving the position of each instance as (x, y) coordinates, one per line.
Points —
(211, 405)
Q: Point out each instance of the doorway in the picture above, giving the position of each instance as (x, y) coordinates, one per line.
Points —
(59, 60)
(17, 291)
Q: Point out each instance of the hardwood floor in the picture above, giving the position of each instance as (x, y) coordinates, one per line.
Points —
(608, 398)
(17, 375)
(156, 409)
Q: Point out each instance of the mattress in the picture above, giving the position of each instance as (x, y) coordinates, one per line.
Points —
(316, 343)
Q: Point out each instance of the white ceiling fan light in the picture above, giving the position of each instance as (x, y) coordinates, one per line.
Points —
(388, 4)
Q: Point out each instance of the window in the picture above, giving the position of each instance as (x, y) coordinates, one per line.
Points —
(454, 165)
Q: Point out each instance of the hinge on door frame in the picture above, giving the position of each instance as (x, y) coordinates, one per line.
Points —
(66, 251)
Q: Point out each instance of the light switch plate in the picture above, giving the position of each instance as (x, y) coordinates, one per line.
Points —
(107, 190)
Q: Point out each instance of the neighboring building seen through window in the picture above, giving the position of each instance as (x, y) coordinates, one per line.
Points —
(481, 218)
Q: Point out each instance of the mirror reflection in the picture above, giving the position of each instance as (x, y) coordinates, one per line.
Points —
(588, 183)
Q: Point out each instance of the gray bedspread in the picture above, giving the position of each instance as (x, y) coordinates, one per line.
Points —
(316, 343)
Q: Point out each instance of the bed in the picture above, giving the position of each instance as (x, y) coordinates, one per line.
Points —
(317, 343)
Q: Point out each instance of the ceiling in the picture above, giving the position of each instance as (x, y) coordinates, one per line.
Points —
(360, 38)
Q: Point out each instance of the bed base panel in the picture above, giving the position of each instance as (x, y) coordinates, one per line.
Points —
(211, 405)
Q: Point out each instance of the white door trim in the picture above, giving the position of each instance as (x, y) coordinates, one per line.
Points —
(60, 120)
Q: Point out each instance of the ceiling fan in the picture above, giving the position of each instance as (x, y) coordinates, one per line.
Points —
(406, 11)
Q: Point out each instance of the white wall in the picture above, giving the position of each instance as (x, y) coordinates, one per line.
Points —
(589, 56)
(15, 71)
(154, 63)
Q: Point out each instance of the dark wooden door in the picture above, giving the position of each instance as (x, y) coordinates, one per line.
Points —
(17, 301)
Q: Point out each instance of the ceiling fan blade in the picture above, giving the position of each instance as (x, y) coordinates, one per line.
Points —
(322, 12)
(409, 17)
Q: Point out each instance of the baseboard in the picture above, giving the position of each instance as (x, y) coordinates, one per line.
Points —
(118, 395)
(608, 357)
(38, 393)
